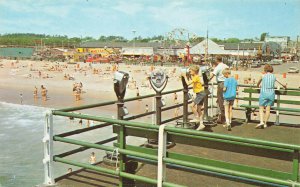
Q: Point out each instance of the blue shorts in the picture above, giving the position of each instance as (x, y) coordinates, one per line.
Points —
(266, 99)
(199, 99)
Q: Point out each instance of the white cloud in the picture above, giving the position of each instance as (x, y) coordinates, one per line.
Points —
(178, 15)
(129, 8)
(32, 6)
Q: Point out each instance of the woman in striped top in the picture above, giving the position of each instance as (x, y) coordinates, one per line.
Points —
(267, 95)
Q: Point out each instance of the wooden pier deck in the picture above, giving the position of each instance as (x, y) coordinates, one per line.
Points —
(283, 134)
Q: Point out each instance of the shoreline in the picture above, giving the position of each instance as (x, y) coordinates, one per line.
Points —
(97, 87)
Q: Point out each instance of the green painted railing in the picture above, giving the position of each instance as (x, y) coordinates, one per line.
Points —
(288, 179)
(129, 128)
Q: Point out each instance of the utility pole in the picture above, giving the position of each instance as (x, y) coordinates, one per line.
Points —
(297, 46)
(206, 47)
(238, 57)
(134, 31)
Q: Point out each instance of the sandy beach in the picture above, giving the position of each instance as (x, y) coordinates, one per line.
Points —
(22, 77)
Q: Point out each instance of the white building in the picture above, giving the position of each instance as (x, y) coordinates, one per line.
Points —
(281, 40)
(209, 45)
(140, 51)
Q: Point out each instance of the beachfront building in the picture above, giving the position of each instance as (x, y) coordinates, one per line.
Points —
(242, 50)
(142, 50)
(204, 50)
(137, 51)
(283, 41)
(211, 47)
(271, 50)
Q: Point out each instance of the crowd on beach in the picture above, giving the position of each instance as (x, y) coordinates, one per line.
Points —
(226, 91)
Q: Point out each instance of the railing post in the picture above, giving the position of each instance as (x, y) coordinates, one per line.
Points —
(153, 108)
(296, 158)
(212, 100)
(205, 110)
(121, 141)
(277, 111)
(48, 149)
(185, 104)
(248, 110)
(162, 153)
(158, 108)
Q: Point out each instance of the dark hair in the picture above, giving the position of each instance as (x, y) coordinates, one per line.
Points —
(268, 68)
(219, 58)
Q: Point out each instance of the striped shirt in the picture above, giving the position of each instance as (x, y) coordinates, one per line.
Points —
(268, 83)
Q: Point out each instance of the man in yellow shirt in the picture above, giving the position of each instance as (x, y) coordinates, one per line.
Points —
(200, 95)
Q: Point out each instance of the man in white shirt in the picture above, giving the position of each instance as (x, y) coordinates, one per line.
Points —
(220, 80)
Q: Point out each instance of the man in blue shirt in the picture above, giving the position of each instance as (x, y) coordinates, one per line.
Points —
(230, 87)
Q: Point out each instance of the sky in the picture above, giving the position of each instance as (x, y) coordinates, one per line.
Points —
(222, 18)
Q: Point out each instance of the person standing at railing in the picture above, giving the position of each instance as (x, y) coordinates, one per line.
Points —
(267, 95)
(200, 95)
(220, 66)
(230, 88)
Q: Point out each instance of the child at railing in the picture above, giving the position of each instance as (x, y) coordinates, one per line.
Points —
(267, 95)
(200, 95)
(230, 88)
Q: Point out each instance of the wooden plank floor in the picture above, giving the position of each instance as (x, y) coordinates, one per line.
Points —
(282, 134)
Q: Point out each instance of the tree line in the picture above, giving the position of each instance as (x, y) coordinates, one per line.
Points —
(30, 39)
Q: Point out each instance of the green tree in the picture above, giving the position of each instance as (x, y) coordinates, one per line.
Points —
(216, 40)
(263, 36)
(196, 40)
(232, 40)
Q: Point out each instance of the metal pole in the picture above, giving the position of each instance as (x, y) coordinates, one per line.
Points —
(212, 100)
(185, 104)
(238, 57)
(162, 153)
(41, 44)
(158, 108)
(48, 149)
(277, 111)
(153, 108)
(121, 141)
(134, 31)
(297, 45)
(205, 111)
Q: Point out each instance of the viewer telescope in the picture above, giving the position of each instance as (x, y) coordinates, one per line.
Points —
(158, 80)
(120, 83)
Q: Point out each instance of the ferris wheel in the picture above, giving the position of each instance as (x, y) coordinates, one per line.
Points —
(179, 37)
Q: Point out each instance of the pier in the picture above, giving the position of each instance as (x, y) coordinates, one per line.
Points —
(242, 157)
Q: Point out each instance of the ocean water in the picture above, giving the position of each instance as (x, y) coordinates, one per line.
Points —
(21, 147)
